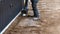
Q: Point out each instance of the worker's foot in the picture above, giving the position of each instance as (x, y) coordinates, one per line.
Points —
(24, 15)
(36, 18)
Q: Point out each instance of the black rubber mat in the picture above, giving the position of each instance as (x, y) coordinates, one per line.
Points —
(8, 10)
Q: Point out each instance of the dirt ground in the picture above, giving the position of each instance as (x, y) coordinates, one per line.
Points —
(49, 22)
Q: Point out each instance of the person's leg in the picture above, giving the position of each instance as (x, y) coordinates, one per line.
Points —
(35, 10)
(34, 6)
(26, 5)
(25, 8)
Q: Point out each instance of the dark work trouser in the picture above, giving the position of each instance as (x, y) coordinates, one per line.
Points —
(34, 6)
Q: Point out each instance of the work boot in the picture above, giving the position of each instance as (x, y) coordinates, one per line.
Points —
(23, 13)
(36, 18)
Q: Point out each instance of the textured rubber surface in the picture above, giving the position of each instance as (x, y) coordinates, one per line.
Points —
(8, 10)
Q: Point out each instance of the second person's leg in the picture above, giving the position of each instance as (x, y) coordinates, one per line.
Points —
(26, 5)
(25, 8)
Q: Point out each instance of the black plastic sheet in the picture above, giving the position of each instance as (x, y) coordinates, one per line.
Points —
(8, 10)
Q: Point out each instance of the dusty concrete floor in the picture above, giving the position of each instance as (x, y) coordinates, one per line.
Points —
(48, 24)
